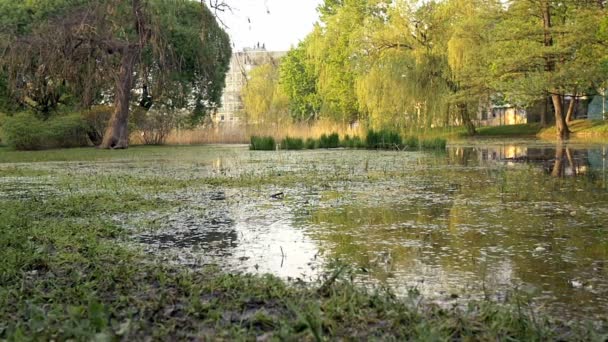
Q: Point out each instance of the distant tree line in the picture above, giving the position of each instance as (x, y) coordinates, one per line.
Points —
(418, 64)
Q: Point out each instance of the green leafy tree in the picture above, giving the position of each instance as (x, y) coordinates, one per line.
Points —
(263, 99)
(549, 48)
(298, 80)
(172, 51)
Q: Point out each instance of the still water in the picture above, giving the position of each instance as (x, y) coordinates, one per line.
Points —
(483, 220)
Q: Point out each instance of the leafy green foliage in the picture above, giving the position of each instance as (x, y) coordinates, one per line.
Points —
(262, 143)
(298, 79)
(264, 101)
(181, 64)
(26, 132)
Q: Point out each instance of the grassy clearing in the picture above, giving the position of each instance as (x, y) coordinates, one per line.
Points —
(510, 130)
(581, 129)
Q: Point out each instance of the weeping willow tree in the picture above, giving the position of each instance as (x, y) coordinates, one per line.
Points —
(410, 81)
(169, 50)
(264, 100)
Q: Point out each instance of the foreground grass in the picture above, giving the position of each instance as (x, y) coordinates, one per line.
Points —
(62, 279)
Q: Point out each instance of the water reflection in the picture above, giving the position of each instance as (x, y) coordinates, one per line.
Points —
(558, 161)
(496, 222)
(475, 222)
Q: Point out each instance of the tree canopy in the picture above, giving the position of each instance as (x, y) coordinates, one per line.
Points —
(419, 64)
(167, 52)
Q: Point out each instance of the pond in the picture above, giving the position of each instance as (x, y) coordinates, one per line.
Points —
(485, 219)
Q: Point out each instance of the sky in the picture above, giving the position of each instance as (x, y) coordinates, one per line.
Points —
(279, 24)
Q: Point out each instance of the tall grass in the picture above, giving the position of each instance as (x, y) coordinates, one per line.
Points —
(292, 143)
(383, 139)
(262, 143)
(240, 134)
(329, 141)
(354, 142)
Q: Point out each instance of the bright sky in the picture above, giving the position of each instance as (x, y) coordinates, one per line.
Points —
(279, 24)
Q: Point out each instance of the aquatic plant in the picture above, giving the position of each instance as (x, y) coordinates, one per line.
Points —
(433, 144)
(289, 143)
(262, 143)
(329, 141)
(384, 139)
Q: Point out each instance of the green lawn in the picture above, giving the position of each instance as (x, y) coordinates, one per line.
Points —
(510, 130)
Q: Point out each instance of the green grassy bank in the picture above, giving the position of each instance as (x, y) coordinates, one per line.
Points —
(581, 129)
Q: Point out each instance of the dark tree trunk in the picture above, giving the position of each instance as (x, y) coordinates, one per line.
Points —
(563, 133)
(558, 167)
(117, 133)
(466, 119)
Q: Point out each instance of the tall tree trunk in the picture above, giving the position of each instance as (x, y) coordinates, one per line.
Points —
(563, 133)
(558, 167)
(571, 107)
(560, 121)
(466, 119)
(117, 133)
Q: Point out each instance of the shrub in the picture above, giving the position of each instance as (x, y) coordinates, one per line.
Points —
(97, 119)
(67, 131)
(26, 132)
(154, 124)
(292, 143)
(383, 139)
(311, 143)
(433, 144)
(329, 141)
(262, 143)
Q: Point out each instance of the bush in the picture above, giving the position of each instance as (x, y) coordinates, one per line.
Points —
(331, 141)
(383, 139)
(97, 119)
(154, 124)
(311, 143)
(433, 144)
(292, 144)
(262, 143)
(26, 132)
